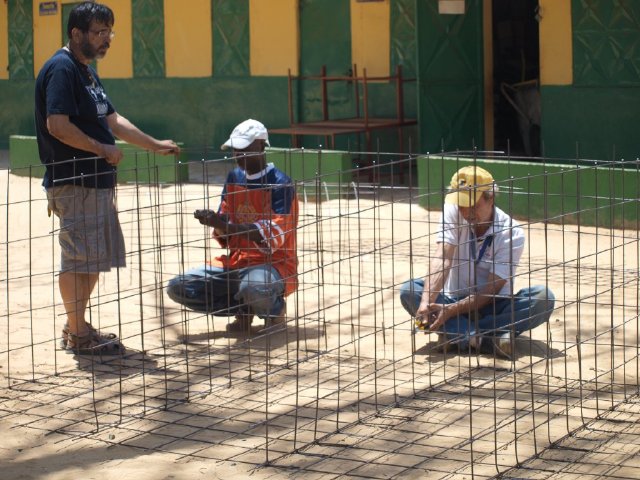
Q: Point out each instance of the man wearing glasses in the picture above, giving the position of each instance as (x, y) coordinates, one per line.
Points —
(467, 296)
(256, 224)
(75, 127)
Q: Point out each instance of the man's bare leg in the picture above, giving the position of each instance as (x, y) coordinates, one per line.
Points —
(75, 289)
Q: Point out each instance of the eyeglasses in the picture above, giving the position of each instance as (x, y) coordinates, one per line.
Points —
(104, 33)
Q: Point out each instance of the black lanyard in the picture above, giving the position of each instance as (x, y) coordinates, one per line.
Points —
(485, 244)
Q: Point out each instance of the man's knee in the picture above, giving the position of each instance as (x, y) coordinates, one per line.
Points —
(175, 289)
(406, 289)
(259, 297)
(542, 301)
(543, 297)
(409, 296)
(184, 288)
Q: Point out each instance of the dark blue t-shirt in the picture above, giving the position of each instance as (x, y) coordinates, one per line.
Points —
(67, 87)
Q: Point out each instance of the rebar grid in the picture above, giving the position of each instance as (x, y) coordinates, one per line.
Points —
(346, 388)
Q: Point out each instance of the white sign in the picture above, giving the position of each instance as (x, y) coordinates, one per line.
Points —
(451, 7)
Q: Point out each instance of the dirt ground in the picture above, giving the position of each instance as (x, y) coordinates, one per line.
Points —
(345, 390)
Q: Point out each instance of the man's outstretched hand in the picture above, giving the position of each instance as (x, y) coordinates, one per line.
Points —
(223, 228)
(211, 218)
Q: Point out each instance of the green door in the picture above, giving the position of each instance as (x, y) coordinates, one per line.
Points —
(325, 41)
(450, 75)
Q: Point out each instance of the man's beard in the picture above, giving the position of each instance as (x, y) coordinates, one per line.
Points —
(89, 52)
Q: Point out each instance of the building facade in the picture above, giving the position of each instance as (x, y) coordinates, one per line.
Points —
(532, 76)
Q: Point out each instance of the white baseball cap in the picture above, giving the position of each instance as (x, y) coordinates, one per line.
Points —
(245, 134)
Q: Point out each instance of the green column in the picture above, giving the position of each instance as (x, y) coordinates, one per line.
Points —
(451, 70)
(403, 36)
(148, 38)
(20, 39)
(230, 37)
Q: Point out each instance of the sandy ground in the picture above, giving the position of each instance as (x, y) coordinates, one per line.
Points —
(345, 390)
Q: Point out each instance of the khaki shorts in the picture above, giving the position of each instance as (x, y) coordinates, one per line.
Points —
(90, 236)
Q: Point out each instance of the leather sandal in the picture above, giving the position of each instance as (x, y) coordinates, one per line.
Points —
(90, 345)
(107, 336)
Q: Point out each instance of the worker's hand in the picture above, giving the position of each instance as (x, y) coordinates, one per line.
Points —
(440, 313)
(425, 317)
(166, 147)
(112, 154)
(211, 219)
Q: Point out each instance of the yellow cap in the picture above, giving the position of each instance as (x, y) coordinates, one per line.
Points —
(467, 185)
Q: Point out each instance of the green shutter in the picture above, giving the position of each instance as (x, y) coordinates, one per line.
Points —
(606, 37)
(325, 40)
(20, 39)
(403, 36)
(450, 65)
(230, 37)
(148, 38)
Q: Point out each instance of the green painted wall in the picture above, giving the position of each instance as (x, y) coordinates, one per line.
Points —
(325, 40)
(597, 116)
(317, 173)
(23, 156)
(230, 37)
(137, 166)
(450, 71)
(606, 197)
(20, 39)
(591, 122)
(605, 43)
(404, 52)
(148, 38)
(16, 114)
(198, 112)
(403, 36)
(444, 51)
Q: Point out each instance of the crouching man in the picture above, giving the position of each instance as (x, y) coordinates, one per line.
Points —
(467, 297)
(256, 222)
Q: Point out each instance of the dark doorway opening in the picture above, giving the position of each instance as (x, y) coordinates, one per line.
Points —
(516, 74)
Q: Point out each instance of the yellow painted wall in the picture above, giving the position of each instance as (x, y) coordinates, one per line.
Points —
(118, 63)
(371, 37)
(556, 47)
(274, 40)
(187, 38)
(4, 41)
(49, 35)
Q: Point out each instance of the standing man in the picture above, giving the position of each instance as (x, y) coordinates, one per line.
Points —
(467, 297)
(75, 127)
(256, 222)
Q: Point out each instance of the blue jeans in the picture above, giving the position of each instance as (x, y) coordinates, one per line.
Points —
(524, 311)
(255, 290)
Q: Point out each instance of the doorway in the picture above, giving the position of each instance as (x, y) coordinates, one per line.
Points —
(516, 77)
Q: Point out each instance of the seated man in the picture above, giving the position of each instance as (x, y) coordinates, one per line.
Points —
(256, 222)
(467, 296)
